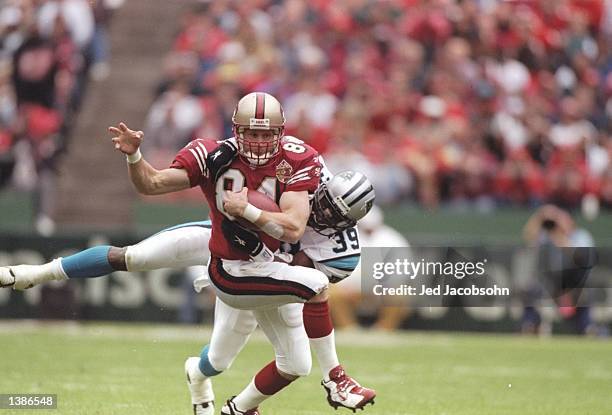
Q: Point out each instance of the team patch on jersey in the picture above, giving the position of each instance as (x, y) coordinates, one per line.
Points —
(283, 171)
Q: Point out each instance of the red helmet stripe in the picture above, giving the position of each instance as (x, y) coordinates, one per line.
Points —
(260, 105)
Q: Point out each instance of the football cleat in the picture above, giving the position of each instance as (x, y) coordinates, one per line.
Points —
(22, 277)
(206, 408)
(19, 277)
(230, 409)
(7, 277)
(200, 388)
(342, 390)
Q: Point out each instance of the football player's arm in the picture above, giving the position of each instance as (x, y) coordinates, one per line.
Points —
(147, 179)
(287, 225)
(150, 181)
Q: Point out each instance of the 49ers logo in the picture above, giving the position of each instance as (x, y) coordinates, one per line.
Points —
(283, 171)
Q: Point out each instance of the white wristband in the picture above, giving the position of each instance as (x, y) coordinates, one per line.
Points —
(265, 255)
(251, 213)
(134, 158)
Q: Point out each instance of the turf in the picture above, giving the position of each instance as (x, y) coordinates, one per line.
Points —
(137, 369)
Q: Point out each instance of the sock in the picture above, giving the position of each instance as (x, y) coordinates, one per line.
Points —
(206, 367)
(55, 268)
(320, 330)
(50, 271)
(90, 263)
(325, 350)
(317, 320)
(265, 384)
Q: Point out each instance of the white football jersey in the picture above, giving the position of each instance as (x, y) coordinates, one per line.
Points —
(326, 175)
(336, 256)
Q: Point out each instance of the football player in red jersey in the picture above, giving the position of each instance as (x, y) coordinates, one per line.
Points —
(330, 244)
(341, 389)
(288, 171)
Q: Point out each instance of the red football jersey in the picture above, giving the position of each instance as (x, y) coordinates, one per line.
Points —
(295, 168)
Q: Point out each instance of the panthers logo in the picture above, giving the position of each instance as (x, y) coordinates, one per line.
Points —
(347, 175)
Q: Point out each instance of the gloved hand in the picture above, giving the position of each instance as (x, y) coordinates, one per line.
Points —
(219, 159)
(246, 240)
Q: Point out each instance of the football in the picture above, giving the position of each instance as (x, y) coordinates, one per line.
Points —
(302, 260)
(261, 201)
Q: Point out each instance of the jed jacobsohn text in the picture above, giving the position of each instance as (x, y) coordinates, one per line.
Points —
(408, 290)
(412, 269)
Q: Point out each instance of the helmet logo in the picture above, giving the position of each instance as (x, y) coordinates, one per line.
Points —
(347, 175)
(259, 123)
(367, 206)
(283, 171)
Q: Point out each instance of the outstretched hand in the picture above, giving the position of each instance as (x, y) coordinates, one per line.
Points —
(125, 140)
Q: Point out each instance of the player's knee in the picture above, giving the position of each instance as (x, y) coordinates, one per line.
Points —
(322, 282)
(321, 297)
(116, 258)
(189, 244)
(211, 364)
(287, 376)
(137, 258)
(292, 314)
(295, 367)
(302, 369)
(217, 363)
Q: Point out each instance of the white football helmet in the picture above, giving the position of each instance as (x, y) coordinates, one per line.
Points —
(338, 204)
(258, 111)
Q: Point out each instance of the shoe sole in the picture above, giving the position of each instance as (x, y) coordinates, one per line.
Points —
(361, 405)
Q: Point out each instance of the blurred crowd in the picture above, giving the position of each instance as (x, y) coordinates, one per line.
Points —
(48, 51)
(471, 104)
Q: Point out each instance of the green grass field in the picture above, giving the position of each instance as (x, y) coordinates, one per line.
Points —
(137, 369)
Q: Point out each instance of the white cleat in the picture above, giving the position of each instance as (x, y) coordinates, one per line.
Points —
(7, 277)
(342, 390)
(230, 409)
(22, 277)
(200, 388)
(206, 408)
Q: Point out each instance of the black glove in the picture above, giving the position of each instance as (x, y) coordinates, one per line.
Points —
(219, 159)
(246, 240)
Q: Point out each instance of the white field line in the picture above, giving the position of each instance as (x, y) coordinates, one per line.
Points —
(349, 338)
(169, 333)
